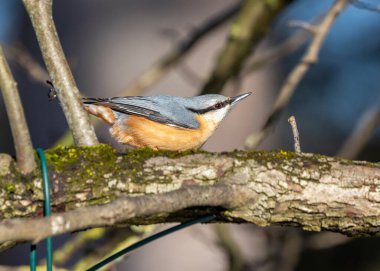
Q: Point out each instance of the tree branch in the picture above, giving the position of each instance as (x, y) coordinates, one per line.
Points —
(40, 13)
(266, 188)
(114, 240)
(365, 127)
(291, 44)
(246, 31)
(26, 61)
(294, 78)
(157, 71)
(120, 210)
(365, 5)
(15, 111)
(230, 248)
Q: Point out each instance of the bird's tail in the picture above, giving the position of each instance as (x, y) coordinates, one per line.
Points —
(100, 108)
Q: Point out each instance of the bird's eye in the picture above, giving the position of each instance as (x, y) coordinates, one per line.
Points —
(218, 106)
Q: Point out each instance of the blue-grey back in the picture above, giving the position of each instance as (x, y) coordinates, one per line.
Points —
(172, 110)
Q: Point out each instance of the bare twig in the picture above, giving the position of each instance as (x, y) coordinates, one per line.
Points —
(40, 13)
(7, 245)
(19, 127)
(306, 26)
(249, 27)
(141, 233)
(362, 133)
(296, 135)
(26, 61)
(157, 71)
(364, 5)
(108, 241)
(294, 78)
(291, 44)
(76, 243)
(189, 75)
(115, 240)
(230, 247)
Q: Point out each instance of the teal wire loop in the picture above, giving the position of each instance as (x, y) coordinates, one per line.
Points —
(33, 257)
(49, 245)
(149, 239)
(47, 212)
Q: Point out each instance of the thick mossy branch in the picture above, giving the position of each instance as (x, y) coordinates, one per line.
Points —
(312, 191)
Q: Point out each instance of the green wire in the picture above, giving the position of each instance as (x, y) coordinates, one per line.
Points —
(149, 239)
(49, 245)
(47, 212)
(33, 258)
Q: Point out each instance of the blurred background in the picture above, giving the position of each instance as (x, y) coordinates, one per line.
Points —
(109, 44)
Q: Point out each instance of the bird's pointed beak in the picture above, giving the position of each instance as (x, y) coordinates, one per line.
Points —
(236, 99)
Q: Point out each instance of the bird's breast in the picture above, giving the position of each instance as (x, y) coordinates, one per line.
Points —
(142, 132)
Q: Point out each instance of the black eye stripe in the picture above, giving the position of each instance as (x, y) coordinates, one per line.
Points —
(210, 108)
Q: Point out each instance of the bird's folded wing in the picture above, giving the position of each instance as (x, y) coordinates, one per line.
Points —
(155, 110)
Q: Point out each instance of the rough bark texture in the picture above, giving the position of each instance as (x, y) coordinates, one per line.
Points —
(311, 191)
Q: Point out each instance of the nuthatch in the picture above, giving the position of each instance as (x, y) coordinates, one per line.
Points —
(163, 122)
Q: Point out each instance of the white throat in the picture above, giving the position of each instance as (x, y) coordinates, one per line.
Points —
(213, 118)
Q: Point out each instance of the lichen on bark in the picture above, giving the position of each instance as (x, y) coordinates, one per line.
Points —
(312, 191)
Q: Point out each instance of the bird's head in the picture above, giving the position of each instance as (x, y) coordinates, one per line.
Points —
(214, 107)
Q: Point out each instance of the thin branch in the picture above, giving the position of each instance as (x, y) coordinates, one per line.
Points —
(364, 5)
(365, 127)
(40, 13)
(295, 77)
(306, 26)
(27, 62)
(189, 75)
(115, 240)
(248, 29)
(76, 243)
(117, 211)
(296, 135)
(7, 245)
(157, 71)
(19, 127)
(311, 191)
(291, 44)
(230, 247)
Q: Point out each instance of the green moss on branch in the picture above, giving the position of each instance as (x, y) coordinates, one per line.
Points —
(280, 187)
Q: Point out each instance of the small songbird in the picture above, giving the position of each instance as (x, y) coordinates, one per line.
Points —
(163, 122)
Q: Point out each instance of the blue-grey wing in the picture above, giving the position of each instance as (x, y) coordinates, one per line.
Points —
(163, 109)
